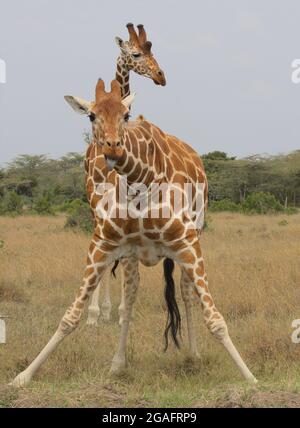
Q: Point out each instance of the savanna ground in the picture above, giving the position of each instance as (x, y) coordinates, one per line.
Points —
(254, 271)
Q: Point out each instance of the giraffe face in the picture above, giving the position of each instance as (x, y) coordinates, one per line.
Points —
(137, 56)
(109, 118)
(109, 115)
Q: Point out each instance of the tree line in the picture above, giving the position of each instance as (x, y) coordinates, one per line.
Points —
(39, 184)
(236, 178)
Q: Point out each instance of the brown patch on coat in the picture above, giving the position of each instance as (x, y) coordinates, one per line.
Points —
(187, 257)
(174, 232)
(109, 232)
(208, 300)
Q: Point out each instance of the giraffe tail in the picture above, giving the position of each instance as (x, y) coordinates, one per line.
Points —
(113, 271)
(173, 324)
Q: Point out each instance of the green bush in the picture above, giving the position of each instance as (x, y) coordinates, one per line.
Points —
(291, 210)
(74, 205)
(79, 216)
(283, 222)
(224, 205)
(11, 203)
(261, 203)
(43, 205)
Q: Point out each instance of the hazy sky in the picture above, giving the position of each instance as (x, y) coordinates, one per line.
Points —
(227, 63)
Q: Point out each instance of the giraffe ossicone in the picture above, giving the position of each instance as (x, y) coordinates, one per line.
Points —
(146, 155)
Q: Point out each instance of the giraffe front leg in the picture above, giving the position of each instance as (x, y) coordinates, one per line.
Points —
(186, 287)
(131, 282)
(93, 309)
(93, 272)
(192, 263)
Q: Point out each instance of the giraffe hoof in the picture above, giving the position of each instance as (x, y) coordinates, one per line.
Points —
(91, 321)
(105, 317)
(93, 316)
(21, 380)
(123, 318)
(192, 357)
(252, 380)
(195, 356)
(117, 366)
(105, 312)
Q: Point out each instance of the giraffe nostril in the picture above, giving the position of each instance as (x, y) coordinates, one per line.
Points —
(160, 73)
(118, 143)
(108, 143)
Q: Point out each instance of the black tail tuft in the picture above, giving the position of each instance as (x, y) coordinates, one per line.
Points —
(113, 271)
(174, 320)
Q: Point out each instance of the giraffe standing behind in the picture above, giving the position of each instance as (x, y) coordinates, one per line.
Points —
(135, 56)
(146, 156)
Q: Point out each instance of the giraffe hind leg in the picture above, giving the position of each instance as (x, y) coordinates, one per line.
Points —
(186, 292)
(106, 304)
(121, 309)
(191, 261)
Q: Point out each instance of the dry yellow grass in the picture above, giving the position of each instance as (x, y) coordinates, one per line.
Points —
(253, 267)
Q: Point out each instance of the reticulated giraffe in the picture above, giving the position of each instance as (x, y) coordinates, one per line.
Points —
(146, 156)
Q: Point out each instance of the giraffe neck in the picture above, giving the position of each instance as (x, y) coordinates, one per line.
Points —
(143, 160)
(122, 76)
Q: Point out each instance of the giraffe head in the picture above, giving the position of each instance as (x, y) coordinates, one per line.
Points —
(137, 56)
(109, 115)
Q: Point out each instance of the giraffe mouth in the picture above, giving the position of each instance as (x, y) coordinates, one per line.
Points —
(160, 83)
(110, 162)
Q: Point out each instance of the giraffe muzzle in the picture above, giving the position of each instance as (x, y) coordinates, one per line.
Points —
(160, 78)
(112, 152)
(110, 162)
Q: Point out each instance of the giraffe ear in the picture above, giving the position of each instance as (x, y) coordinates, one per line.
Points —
(78, 104)
(128, 100)
(119, 42)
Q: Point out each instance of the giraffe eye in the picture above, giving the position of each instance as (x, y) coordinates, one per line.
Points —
(126, 117)
(92, 117)
(136, 55)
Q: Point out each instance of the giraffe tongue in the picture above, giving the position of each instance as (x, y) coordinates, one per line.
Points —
(110, 163)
